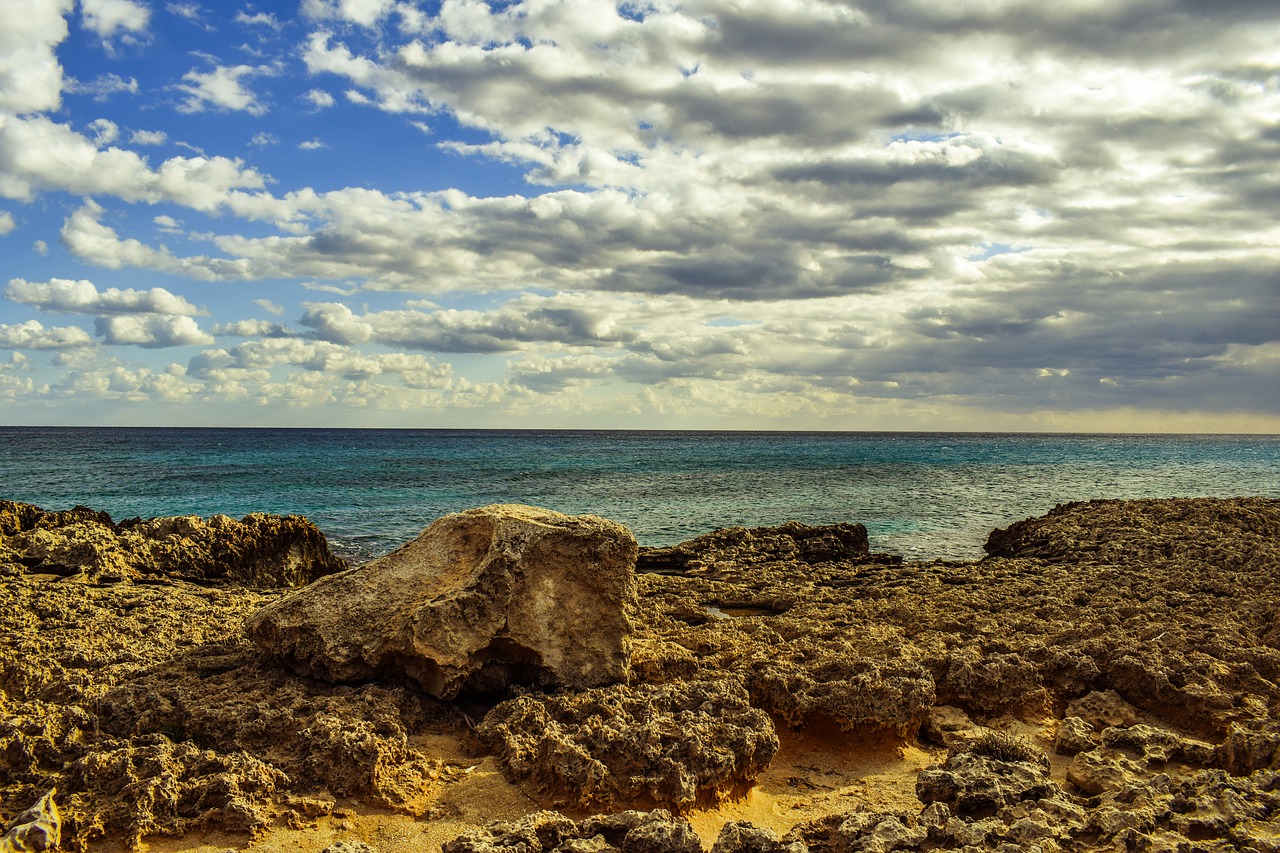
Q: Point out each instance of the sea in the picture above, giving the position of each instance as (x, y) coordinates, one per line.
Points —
(924, 496)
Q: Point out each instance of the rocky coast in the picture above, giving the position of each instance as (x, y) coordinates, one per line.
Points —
(1107, 678)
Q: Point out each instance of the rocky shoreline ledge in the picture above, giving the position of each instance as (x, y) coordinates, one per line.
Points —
(1108, 678)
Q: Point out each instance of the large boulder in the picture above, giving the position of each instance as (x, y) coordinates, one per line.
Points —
(482, 599)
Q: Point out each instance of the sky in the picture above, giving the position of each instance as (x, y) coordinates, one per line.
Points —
(723, 214)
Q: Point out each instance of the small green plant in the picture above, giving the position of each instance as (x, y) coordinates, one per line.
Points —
(1003, 746)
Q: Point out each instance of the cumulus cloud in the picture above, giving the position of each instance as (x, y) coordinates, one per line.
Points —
(109, 17)
(151, 331)
(7, 223)
(223, 88)
(30, 74)
(34, 335)
(83, 297)
(821, 204)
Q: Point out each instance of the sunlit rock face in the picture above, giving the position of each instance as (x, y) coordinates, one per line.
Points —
(482, 599)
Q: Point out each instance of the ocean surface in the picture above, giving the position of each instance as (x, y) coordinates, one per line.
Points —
(921, 495)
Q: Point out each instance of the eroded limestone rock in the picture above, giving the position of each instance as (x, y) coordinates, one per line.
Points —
(38, 828)
(657, 831)
(675, 745)
(481, 600)
(258, 550)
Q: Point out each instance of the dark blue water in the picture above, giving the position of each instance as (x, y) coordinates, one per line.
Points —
(922, 495)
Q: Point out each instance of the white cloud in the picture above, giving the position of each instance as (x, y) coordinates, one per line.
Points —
(82, 297)
(125, 20)
(270, 307)
(148, 137)
(103, 86)
(223, 88)
(33, 335)
(7, 223)
(108, 17)
(366, 13)
(319, 98)
(311, 145)
(38, 154)
(30, 75)
(104, 131)
(259, 19)
(151, 331)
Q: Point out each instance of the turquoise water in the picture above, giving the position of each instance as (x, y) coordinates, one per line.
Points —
(922, 495)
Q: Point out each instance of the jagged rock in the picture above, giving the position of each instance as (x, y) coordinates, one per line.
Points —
(38, 828)
(482, 599)
(1073, 736)
(1157, 746)
(949, 726)
(1243, 751)
(550, 832)
(1101, 770)
(736, 547)
(258, 550)
(150, 785)
(1102, 709)
(995, 682)
(675, 745)
(744, 837)
(974, 785)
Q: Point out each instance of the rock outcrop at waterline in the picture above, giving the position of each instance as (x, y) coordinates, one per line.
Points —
(259, 550)
(1132, 643)
(481, 600)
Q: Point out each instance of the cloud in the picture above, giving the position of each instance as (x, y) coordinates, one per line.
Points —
(109, 17)
(151, 331)
(319, 98)
(252, 329)
(270, 307)
(82, 297)
(7, 223)
(148, 137)
(30, 74)
(33, 335)
(223, 89)
(102, 87)
(259, 19)
(366, 13)
(38, 154)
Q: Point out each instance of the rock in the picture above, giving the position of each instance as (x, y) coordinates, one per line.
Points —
(1073, 736)
(743, 837)
(549, 832)
(1102, 770)
(949, 726)
(481, 600)
(973, 785)
(675, 745)
(1102, 709)
(994, 682)
(348, 847)
(258, 550)
(38, 828)
(1244, 751)
(736, 547)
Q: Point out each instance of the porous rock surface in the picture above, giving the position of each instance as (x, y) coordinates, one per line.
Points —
(258, 550)
(676, 745)
(1140, 638)
(137, 696)
(482, 599)
(631, 831)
